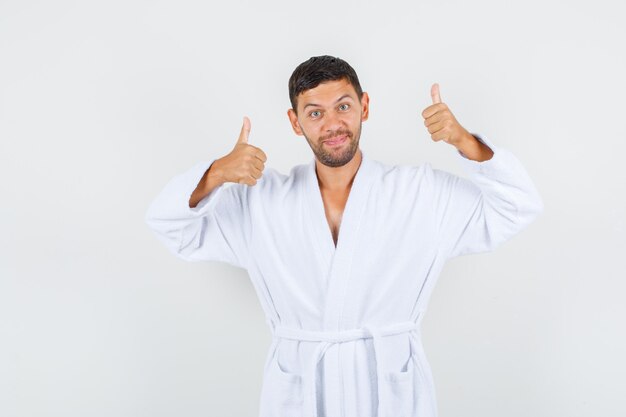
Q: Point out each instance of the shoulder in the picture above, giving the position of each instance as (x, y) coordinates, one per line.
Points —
(274, 183)
(404, 182)
(273, 178)
(403, 174)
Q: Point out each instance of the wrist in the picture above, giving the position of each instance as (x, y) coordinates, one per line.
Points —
(215, 174)
(474, 149)
(467, 141)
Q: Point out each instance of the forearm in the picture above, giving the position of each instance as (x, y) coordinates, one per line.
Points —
(210, 180)
(474, 149)
(215, 228)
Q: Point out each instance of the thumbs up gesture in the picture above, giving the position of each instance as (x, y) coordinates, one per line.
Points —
(245, 163)
(441, 123)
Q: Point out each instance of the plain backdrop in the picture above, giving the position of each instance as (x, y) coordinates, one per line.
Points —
(101, 103)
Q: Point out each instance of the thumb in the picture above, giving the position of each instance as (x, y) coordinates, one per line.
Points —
(434, 93)
(245, 131)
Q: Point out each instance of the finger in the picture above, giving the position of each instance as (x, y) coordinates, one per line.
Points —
(249, 180)
(432, 109)
(440, 135)
(434, 93)
(256, 173)
(437, 117)
(245, 131)
(258, 164)
(436, 127)
(261, 155)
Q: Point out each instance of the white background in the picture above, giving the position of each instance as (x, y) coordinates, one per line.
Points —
(101, 103)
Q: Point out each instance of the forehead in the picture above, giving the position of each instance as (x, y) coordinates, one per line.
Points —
(326, 92)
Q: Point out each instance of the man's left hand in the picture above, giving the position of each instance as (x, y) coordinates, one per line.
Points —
(442, 125)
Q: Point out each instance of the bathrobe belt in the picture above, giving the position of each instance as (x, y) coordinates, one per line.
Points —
(327, 338)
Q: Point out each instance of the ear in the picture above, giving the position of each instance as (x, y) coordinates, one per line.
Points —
(293, 119)
(365, 106)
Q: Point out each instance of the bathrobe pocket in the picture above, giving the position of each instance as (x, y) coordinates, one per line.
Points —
(399, 390)
(284, 392)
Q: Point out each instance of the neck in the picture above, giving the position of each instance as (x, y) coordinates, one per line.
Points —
(338, 178)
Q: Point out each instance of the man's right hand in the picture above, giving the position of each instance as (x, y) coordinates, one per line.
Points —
(244, 164)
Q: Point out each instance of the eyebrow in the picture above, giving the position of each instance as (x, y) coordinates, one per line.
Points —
(339, 99)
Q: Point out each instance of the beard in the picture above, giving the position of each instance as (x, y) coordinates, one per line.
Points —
(336, 157)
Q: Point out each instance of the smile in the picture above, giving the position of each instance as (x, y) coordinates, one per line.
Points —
(336, 141)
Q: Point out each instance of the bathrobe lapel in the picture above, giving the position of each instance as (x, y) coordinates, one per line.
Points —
(337, 261)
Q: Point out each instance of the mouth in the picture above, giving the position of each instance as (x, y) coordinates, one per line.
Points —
(336, 140)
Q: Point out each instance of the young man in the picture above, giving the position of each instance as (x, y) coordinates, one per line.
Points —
(344, 251)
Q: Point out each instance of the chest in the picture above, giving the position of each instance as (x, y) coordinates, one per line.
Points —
(334, 205)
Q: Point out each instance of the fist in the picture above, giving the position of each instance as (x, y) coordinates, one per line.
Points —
(245, 163)
(441, 123)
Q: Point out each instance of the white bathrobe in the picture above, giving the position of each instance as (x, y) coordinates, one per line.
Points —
(345, 320)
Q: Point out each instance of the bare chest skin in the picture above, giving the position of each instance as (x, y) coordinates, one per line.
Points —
(334, 204)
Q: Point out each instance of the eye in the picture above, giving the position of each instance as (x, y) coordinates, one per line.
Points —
(347, 106)
(312, 114)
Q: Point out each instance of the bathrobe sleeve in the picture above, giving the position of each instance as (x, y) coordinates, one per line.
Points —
(478, 213)
(217, 229)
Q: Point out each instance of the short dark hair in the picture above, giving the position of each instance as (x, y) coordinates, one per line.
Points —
(319, 69)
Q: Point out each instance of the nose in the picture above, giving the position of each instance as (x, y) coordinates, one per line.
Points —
(333, 122)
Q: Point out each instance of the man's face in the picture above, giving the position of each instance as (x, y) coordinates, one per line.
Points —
(331, 111)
